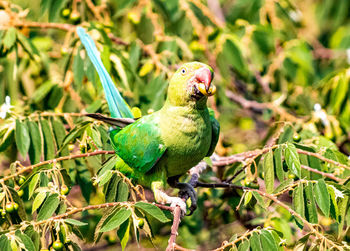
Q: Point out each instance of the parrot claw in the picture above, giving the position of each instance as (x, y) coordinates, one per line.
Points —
(187, 191)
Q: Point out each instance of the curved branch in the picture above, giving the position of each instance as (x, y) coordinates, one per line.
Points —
(47, 162)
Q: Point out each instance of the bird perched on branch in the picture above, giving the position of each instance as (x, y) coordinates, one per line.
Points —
(158, 148)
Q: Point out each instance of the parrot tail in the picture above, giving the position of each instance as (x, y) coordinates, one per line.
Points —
(120, 122)
(117, 105)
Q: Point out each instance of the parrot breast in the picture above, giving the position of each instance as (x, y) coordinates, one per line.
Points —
(186, 132)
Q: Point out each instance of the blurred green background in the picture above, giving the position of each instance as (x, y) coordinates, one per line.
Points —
(273, 61)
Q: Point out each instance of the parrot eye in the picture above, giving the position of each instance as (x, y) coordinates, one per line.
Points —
(183, 71)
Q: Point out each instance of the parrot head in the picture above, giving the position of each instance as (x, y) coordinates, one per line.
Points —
(191, 84)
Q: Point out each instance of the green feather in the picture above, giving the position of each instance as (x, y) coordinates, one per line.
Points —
(140, 144)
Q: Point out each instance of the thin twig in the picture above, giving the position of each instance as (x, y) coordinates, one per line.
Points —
(241, 157)
(174, 228)
(313, 230)
(62, 26)
(47, 162)
(328, 175)
(256, 106)
(90, 207)
(319, 156)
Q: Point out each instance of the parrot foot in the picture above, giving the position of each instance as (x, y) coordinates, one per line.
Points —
(161, 197)
(186, 190)
(177, 201)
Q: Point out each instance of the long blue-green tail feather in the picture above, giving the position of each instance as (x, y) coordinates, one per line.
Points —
(117, 105)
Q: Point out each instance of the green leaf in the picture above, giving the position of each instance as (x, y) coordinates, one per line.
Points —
(7, 139)
(298, 204)
(287, 135)
(55, 96)
(5, 243)
(10, 38)
(269, 176)
(83, 179)
(322, 198)
(311, 212)
(39, 199)
(284, 184)
(27, 46)
(279, 163)
(292, 159)
(21, 210)
(343, 206)
(152, 210)
(248, 196)
(108, 165)
(75, 222)
(59, 132)
(33, 183)
(123, 192)
(244, 246)
(22, 138)
(33, 235)
(107, 214)
(49, 207)
(73, 134)
(49, 147)
(104, 178)
(96, 137)
(42, 91)
(255, 243)
(78, 68)
(267, 241)
(112, 188)
(55, 8)
(124, 233)
(116, 220)
(233, 55)
(259, 199)
(334, 210)
(27, 242)
(35, 146)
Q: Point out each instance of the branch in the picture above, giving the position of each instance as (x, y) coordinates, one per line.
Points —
(90, 207)
(258, 107)
(319, 156)
(241, 238)
(195, 171)
(241, 157)
(313, 230)
(62, 26)
(47, 162)
(174, 228)
(328, 175)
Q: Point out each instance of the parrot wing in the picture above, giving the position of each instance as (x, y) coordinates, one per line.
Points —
(119, 122)
(215, 133)
(139, 144)
(117, 105)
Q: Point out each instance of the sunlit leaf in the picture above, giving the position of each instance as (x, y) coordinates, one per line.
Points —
(152, 210)
(269, 173)
(322, 198)
(49, 207)
(116, 220)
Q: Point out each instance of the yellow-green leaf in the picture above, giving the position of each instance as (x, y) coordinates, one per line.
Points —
(269, 173)
(22, 138)
(116, 220)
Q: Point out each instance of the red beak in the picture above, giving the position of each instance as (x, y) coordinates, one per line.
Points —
(204, 75)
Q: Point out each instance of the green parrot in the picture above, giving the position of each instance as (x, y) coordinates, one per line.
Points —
(156, 149)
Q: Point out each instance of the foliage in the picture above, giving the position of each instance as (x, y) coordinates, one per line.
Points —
(282, 71)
